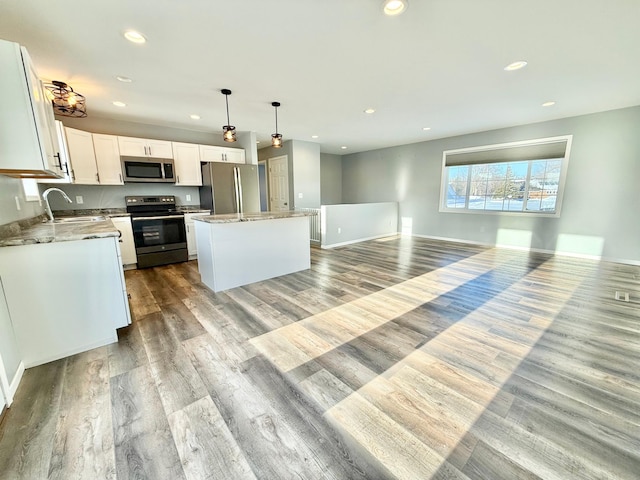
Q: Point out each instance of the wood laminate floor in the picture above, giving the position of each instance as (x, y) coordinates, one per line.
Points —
(397, 358)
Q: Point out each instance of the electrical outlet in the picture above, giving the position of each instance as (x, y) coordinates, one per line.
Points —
(188, 198)
(18, 203)
(339, 230)
(79, 199)
(300, 195)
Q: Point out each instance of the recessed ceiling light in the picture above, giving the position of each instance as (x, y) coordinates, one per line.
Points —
(194, 117)
(549, 104)
(134, 36)
(344, 147)
(426, 128)
(124, 79)
(314, 136)
(119, 104)
(369, 110)
(394, 7)
(515, 66)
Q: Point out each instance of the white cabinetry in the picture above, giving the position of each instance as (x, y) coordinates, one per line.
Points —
(11, 366)
(191, 233)
(210, 153)
(127, 245)
(107, 159)
(143, 147)
(64, 297)
(82, 156)
(28, 142)
(187, 164)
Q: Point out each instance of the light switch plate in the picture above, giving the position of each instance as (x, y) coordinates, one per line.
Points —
(188, 198)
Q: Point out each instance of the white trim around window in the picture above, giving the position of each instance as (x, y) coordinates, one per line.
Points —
(517, 178)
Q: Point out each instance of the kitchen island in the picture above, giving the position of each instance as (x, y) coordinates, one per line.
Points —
(238, 249)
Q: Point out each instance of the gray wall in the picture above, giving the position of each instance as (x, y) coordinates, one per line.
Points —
(330, 179)
(306, 174)
(601, 202)
(304, 171)
(9, 189)
(286, 149)
(112, 196)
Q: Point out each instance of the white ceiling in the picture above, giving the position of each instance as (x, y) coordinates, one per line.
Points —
(438, 65)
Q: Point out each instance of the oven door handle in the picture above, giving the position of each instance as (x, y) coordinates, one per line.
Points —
(164, 217)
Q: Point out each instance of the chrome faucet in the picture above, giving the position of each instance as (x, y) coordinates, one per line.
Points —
(46, 193)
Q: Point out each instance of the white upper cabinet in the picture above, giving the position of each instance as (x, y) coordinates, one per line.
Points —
(28, 142)
(108, 159)
(84, 170)
(187, 164)
(143, 147)
(211, 153)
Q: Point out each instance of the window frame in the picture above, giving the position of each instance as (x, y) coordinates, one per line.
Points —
(444, 185)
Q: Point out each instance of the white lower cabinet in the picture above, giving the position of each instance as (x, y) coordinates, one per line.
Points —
(127, 245)
(64, 297)
(11, 366)
(191, 233)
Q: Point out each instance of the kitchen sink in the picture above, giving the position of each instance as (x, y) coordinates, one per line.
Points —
(86, 219)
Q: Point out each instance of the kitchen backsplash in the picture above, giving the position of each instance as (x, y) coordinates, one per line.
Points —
(112, 196)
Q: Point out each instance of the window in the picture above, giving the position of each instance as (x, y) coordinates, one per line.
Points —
(521, 177)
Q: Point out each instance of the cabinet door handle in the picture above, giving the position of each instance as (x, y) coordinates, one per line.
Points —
(145, 150)
(57, 155)
(98, 177)
(149, 150)
(120, 175)
(178, 179)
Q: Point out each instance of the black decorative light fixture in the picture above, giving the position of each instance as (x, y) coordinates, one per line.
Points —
(276, 138)
(65, 101)
(228, 130)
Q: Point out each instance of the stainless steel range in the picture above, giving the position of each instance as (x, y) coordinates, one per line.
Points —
(158, 230)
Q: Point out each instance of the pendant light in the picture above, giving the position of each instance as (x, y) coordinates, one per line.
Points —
(276, 138)
(228, 130)
(65, 101)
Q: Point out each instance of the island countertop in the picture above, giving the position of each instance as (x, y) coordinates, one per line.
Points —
(60, 232)
(251, 217)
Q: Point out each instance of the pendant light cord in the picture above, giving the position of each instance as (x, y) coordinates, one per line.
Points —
(276, 120)
(226, 98)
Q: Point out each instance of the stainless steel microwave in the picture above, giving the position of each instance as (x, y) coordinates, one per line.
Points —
(143, 169)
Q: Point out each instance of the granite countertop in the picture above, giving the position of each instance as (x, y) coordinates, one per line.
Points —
(60, 232)
(251, 217)
(107, 212)
(192, 209)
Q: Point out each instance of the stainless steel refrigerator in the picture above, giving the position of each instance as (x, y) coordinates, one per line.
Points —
(230, 188)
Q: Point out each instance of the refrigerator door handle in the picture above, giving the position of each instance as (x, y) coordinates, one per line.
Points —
(236, 189)
(240, 189)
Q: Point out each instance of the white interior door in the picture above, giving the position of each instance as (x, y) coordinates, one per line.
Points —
(279, 184)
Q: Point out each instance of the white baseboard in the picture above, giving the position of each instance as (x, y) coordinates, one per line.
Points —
(358, 240)
(529, 249)
(13, 386)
